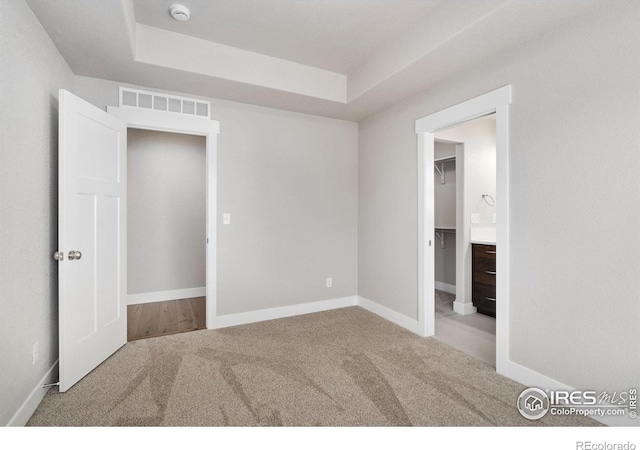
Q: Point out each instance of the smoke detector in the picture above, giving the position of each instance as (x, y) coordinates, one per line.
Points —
(180, 12)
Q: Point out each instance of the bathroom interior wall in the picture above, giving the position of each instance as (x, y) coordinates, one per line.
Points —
(479, 139)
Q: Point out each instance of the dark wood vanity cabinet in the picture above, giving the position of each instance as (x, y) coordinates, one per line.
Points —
(484, 278)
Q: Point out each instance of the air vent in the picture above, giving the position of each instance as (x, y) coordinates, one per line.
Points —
(135, 98)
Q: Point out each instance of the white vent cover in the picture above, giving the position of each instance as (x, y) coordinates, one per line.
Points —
(135, 98)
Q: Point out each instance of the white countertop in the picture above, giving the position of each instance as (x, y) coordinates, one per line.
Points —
(483, 242)
(483, 235)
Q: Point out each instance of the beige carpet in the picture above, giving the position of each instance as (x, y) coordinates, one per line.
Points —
(345, 367)
(444, 304)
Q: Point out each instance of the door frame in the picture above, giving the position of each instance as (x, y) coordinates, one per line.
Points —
(148, 119)
(497, 102)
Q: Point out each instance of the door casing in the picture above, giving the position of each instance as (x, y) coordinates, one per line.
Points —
(498, 102)
(183, 124)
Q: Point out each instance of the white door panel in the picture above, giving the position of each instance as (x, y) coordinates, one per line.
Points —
(92, 221)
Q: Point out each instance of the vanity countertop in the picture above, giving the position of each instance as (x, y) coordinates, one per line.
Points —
(477, 241)
(483, 235)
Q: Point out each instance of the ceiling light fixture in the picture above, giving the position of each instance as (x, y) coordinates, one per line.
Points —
(180, 12)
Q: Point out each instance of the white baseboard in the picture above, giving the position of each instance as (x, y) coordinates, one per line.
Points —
(29, 406)
(161, 296)
(392, 316)
(531, 378)
(464, 308)
(449, 288)
(230, 320)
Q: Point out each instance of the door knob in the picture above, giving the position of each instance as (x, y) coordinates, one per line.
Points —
(58, 256)
(74, 254)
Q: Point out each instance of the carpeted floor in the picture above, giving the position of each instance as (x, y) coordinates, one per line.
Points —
(344, 367)
(444, 304)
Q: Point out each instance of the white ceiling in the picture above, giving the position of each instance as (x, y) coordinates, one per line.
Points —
(337, 58)
(335, 35)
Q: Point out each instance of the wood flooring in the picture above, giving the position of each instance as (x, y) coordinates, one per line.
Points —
(161, 318)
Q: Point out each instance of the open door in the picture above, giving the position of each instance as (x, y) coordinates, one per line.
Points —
(92, 238)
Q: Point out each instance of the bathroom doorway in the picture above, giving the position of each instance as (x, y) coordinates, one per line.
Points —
(464, 209)
(497, 101)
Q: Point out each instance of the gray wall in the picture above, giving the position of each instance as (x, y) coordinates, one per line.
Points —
(575, 245)
(290, 183)
(32, 72)
(165, 211)
(443, 149)
(445, 259)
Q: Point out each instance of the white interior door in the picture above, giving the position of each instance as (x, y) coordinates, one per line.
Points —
(91, 237)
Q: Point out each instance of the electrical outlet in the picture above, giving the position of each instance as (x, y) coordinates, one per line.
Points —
(329, 282)
(475, 218)
(226, 219)
(36, 352)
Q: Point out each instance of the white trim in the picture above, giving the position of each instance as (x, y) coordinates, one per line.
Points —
(497, 101)
(150, 119)
(462, 112)
(502, 237)
(161, 296)
(201, 126)
(426, 222)
(464, 308)
(29, 406)
(445, 287)
(531, 378)
(390, 315)
(231, 320)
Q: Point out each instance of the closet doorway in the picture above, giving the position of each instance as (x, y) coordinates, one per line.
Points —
(166, 215)
(178, 118)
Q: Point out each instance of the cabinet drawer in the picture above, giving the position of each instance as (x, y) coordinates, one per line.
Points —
(484, 298)
(482, 291)
(484, 276)
(484, 251)
(484, 265)
(487, 307)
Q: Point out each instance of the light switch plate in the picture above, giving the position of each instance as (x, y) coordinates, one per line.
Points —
(226, 219)
(475, 218)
